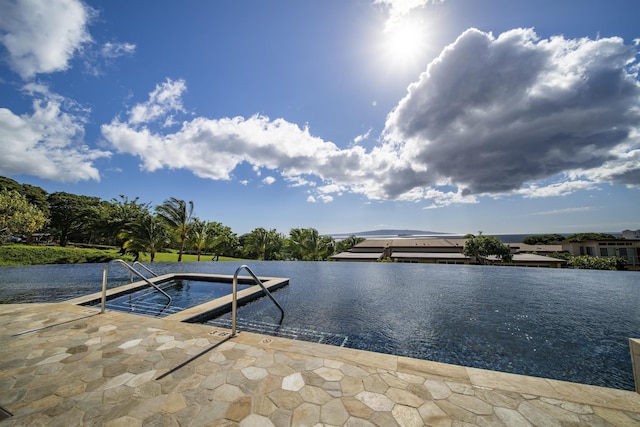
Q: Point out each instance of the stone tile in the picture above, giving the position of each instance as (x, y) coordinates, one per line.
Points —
(255, 420)
(239, 409)
(227, 393)
(375, 401)
(293, 382)
(307, 414)
(407, 416)
(315, 395)
(286, 399)
(333, 412)
(433, 415)
(404, 397)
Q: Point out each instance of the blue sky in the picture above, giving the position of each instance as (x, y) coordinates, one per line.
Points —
(345, 116)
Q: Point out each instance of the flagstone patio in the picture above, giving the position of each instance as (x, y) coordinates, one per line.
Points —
(67, 365)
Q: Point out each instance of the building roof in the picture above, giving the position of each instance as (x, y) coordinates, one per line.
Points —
(523, 247)
(528, 258)
(357, 256)
(429, 255)
(411, 243)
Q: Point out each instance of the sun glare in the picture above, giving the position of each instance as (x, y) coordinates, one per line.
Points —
(405, 43)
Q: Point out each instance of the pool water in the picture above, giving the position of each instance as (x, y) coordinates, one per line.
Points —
(184, 294)
(570, 325)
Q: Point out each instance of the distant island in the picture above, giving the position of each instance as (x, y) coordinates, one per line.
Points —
(390, 233)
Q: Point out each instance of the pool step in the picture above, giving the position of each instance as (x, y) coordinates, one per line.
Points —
(143, 307)
(273, 329)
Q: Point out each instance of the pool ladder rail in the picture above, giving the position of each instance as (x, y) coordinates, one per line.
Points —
(132, 271)
(234, 302)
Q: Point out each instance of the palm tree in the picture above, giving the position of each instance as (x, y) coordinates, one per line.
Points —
(146, 235)
(306, 244)
(201, 236)
(177, 215)
(263, 244)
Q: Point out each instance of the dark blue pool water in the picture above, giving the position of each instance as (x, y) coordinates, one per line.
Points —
(571, 325)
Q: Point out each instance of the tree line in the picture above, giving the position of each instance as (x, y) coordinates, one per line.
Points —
(28, 212)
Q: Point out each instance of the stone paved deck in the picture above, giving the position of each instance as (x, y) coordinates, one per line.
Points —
(66, 365)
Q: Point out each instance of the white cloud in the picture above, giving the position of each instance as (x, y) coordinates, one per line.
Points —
(268, 180)
(114, 50)
(358, 139)
(535, 190)
(492, 114)
(49, 142)
(325, 198)
(565, 211)
(43, 36)
(400, 8)
(164, 99)
(441, 198)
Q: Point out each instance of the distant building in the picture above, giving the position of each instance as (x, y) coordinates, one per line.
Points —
(631, 234)
(444, 251)
(624, 248)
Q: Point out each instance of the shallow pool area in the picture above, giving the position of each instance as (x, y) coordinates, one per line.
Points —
(571, 325)
(184, 293)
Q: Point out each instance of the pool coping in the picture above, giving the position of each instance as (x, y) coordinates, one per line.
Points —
(199, 312)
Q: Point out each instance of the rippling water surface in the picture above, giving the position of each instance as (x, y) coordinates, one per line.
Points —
(571, 325)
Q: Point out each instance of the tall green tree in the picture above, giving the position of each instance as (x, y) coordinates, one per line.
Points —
(177, 215)
(147, 234)
(263, 244)
(34, 195)
(306, 244)
(581, 237)
(72, 216)
(201, 236)
(543, 239)
(115, 214)
(18, 216)
(482, 246)
(225, 241)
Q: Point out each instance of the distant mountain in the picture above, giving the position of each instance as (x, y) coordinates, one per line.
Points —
(389, 233)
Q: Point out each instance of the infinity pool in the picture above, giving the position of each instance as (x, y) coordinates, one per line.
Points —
(570, 325)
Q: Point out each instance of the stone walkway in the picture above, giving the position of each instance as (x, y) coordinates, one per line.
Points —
(66, 365)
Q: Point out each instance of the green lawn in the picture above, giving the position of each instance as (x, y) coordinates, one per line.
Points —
(19, 254)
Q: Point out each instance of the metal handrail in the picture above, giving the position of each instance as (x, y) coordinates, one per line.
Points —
(138, 263)
(234, 303)
(131, 270)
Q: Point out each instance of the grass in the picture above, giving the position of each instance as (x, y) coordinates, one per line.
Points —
(35, 255)
(173, 257)
(19, 254)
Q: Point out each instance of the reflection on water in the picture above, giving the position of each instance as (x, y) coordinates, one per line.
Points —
(566, 324)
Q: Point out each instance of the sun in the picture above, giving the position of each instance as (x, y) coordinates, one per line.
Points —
(404, 43)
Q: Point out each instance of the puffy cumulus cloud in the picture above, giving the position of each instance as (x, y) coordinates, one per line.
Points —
(42, 36)
(268, 180)
(492, 115)
(213, 148)
(49, 142)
